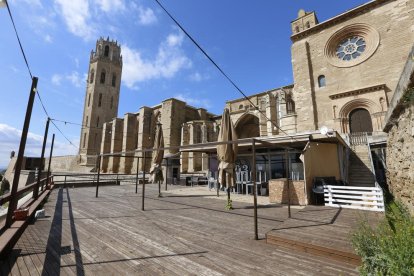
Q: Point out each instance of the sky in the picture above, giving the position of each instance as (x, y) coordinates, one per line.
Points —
(250, 40)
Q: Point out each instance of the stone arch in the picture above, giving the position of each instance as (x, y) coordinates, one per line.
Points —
(348, 107)
(248, 125)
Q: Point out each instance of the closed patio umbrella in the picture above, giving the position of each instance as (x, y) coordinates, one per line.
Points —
(157, 156)
(227, 154)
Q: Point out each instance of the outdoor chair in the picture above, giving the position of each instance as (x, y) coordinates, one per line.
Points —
(194, 181)
(317, 188)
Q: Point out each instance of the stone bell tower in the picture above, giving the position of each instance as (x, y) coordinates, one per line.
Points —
(101, 98)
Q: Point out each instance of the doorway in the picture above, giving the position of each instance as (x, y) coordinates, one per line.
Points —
(360, 121)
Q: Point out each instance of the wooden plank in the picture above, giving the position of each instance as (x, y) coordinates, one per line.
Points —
(176, 235)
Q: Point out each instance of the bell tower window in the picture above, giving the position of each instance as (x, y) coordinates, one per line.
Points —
(113, 80)
(84, 140)
(103, 75)
(89, 99)
(100, 100)
(106, 53)
(92, 76)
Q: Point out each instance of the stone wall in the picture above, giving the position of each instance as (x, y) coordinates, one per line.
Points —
(278, 191)
(400, 160)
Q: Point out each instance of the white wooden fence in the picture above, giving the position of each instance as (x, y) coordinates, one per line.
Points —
(353, 197)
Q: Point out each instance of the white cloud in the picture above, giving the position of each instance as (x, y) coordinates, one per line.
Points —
(73, 78)
(169, 60)
(76, 16)
(193, 101)
(110, 5)
(48, 38)
(56, 79)
(198, 77)
(10, 140)
(146, 16)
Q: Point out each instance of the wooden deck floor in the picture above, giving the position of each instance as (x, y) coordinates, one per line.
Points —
(176, 235)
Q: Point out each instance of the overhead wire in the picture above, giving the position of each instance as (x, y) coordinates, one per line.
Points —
(18, 39)
(30, 72)
(72, 123)
(220, 70)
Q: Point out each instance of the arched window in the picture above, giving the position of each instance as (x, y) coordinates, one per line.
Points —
(307, 25)
(106, 53)
(112, 101)
(321, 81)
(100, 100)
(92, 76)
(241, 107)
(297, 29)
(290, 104)
(113, 80)
(97, 122)
(103, 75)
(89, 99)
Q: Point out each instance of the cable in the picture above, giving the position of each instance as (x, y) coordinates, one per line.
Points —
(70, 142)
(41, 103)
(71, 123)
(30, 73)
(221, 71)
(18, 39)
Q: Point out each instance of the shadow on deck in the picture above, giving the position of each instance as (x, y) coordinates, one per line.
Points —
(322, 231)
(110, 235)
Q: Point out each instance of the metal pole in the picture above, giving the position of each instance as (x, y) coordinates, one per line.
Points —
(256, 234)
(19, 161)
(137, 179)
(99, 173)
(287, 179)
(166, 175)
(143, 183)
(50, 158)
(42, 156)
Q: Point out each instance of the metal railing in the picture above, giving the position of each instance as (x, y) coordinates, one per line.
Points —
(358, 138)
(354, 197)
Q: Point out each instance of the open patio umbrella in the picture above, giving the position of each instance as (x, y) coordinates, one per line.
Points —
(227, 154)
(157, 156)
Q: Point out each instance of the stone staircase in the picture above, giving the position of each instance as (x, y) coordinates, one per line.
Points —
(360, 173)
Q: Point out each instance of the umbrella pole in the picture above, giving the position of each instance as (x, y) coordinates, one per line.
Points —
(229, 205)
(137, 177)
(256, 234)
(159, 188)
(143, 184)
(287, 180)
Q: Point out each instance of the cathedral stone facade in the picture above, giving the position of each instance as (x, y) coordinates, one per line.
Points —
(345, 71)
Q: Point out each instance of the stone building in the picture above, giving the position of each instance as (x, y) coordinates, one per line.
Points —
(101, 96)
(345, 70)
(137, 131)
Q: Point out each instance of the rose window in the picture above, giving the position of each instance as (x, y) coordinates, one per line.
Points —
(350, 48)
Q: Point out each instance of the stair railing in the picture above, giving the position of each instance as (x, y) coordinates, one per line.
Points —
(371, 162)
(358, 138)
